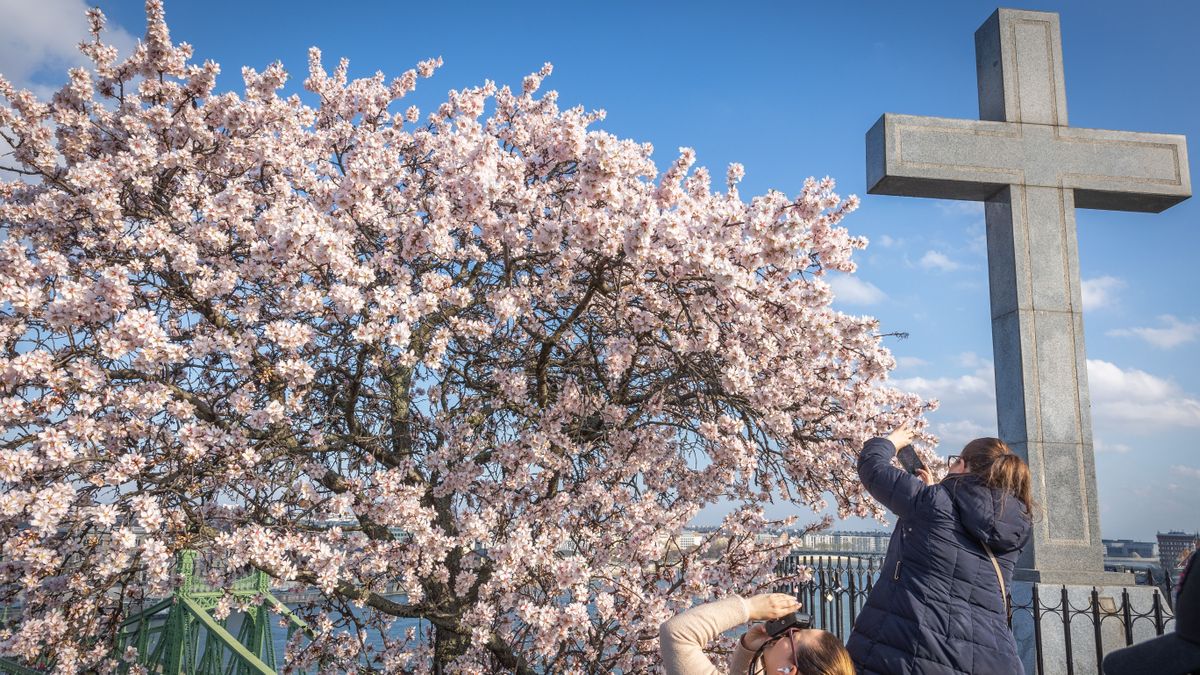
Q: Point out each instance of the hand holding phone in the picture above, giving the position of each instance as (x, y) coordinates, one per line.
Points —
(902, 436)
(909, 459)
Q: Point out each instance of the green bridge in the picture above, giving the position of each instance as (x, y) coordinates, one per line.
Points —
(180, 634)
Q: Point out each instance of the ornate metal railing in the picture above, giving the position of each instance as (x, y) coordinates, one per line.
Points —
(180, 634)
(838, 587)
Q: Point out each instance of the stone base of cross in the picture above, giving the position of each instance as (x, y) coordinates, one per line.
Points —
(1032, 171)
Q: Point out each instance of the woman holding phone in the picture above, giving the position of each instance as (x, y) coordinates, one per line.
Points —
(939, 606)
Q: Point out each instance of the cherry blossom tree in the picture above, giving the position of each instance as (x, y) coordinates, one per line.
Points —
(487, 355)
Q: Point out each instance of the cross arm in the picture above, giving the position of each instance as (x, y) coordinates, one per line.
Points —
(1122, 170)
(973, 160)
(941, 158)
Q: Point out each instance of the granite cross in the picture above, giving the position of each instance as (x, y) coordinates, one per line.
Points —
(1031, 171)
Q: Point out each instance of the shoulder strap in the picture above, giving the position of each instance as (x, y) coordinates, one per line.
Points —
(999, 576)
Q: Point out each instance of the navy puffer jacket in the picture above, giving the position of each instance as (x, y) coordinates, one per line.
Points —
(937, 608)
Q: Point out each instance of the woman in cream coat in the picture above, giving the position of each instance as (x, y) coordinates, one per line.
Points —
(797, 652)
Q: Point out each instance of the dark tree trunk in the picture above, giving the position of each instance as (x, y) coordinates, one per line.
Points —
(447, 646)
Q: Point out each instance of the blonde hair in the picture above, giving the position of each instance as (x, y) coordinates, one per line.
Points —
(825, 655)
(828, 656)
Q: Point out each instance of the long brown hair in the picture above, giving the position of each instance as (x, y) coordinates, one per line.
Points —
(999, 467)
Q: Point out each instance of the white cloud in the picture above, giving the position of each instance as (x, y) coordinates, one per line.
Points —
(972, 360)
(853, 290)
(1137, 400)
(977, 237)
(1124, 402)
(1175, 332)
(1104, 447)
(975, 384)
(1100, 292)
(936, 260)
(967, 404)
(1189, 471)
(957, 433)
(39, 42)
(909, 362)
(887, 241)
(953, 207)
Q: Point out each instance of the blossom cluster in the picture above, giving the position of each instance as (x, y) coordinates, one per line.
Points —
(485, 354)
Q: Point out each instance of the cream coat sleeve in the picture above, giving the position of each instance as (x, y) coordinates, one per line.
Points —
(683, 638)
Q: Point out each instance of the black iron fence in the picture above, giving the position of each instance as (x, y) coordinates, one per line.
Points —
(838, 587)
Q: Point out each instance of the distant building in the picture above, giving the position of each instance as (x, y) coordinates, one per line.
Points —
(870, 542)
(1139, 558)
(689, 540)
(1128, 548)
(1173, 549)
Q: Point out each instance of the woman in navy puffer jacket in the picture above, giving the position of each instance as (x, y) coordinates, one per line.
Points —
(938, 607)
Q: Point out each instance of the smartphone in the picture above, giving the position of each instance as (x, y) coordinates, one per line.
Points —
(794, 620)
(909, 459)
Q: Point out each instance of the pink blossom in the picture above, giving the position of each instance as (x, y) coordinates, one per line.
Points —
(50, 507)
(261, 418)
(15, 465)
(346, 300)
(288, 335)
(11, 409)
(105, 515)
(146, 511)
(295, 371)
(56, 447)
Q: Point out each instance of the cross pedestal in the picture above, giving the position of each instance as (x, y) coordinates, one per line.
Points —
(1031, 171)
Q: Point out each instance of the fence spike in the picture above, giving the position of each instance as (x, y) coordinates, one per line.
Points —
(1036, 605)
(1159, 624)
(1066, 618)
(1128, 616)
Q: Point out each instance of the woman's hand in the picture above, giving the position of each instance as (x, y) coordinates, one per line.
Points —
(767, 606)
(901, 437)
(925, 476)
(755, 638)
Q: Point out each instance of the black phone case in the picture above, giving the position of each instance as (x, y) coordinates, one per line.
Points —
(779, 625)
(909, 459)
(793, 620)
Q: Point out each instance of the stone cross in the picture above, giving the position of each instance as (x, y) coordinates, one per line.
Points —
(1032, 170)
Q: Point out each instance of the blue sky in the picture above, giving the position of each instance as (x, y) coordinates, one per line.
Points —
(789, 90)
